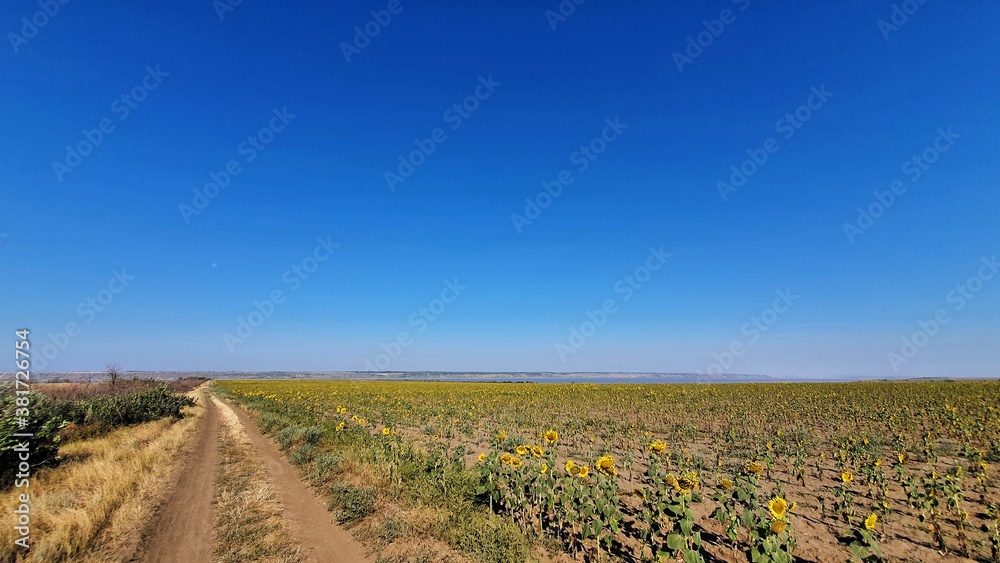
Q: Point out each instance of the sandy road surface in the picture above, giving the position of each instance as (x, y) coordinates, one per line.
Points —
(183, 530)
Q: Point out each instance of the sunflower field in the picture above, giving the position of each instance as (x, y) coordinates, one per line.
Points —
(864, 471)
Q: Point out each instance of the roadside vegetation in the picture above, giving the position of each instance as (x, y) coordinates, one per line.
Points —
(59, 413)
(92, 506)
(403, 502)
(866, 471)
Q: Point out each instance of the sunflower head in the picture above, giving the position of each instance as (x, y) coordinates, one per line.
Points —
(482, 457)
(846, 476)
(584, 472)
(521, 450)
(537, 451)
(516, 461)
(571, 468)
(506, 458)
(755, 468)
(385, 431)
(778, 507)
(502, 436)
(727, 484)
(545, 468)
(606, 465)
(871, 521)
(658, 447)
(778, 526)
(551, 436)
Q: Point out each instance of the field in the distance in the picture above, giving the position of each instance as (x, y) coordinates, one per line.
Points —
(900, 469)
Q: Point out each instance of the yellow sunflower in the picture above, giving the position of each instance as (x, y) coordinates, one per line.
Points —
(506, 458)
(584, 471)
(571, 468)
(385, 431)
(502, 436)
(778, 526)
(606, 465)
(727, 484)
(871, 521)
(521, 450)
(516, 461)
(537, 451)
(551, 436)
(846, 476)
(658, 447)
(482, 457)
(755, 467)
(778, 507)
(545, 468)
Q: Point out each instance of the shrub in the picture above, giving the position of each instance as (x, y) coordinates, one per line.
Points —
(354, 502)
(111, 411)
(43, 422)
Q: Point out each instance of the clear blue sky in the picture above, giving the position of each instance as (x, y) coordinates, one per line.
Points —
(207, 83)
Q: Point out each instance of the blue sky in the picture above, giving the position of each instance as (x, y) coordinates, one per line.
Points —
(201, 91)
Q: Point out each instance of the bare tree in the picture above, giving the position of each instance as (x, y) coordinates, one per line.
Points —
(113, 373)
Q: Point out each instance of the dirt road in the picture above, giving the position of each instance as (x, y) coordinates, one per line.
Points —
(312, 525)
(183, 531)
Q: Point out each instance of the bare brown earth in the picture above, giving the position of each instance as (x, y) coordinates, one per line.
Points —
(312, 525)
(183, 530)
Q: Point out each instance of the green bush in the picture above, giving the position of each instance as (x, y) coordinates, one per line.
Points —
(354, 503)
(43, 422)
(122, 410)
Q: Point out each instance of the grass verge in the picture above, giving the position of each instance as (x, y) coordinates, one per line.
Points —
(248, 518)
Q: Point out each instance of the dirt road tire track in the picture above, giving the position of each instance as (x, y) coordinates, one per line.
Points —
(183, 529)
(311, 524)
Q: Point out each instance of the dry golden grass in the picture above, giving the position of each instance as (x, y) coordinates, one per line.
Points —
(249, 526)
(89, 508)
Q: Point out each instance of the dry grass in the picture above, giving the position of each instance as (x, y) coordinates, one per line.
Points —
(89, 509)
(248, 518)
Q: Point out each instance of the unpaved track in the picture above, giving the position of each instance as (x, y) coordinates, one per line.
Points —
(311, 524)
(183, 530)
